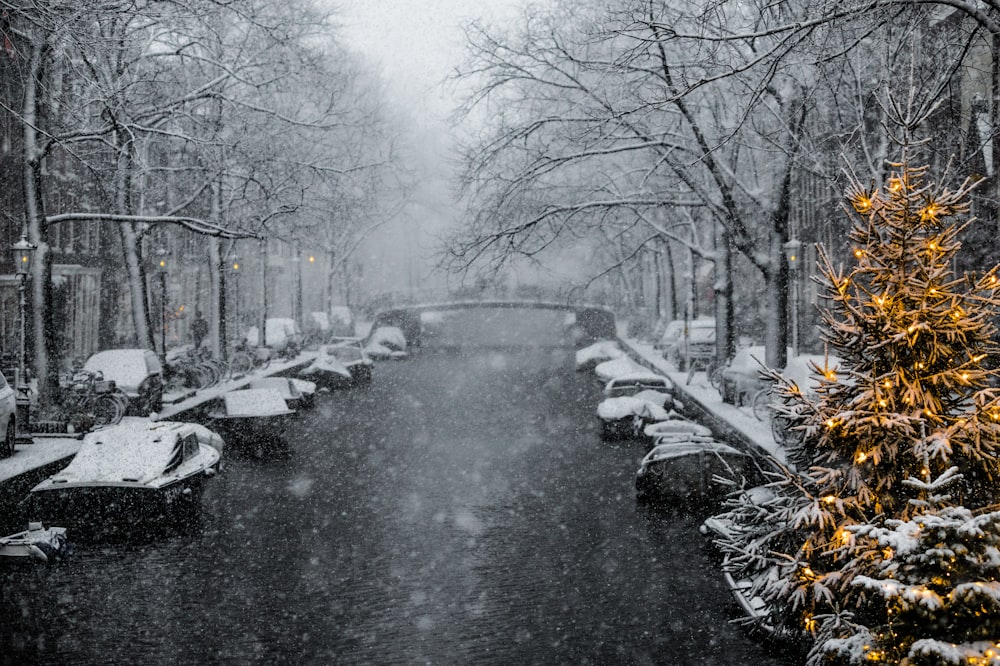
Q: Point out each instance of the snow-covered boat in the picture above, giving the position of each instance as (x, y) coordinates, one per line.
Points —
(287, 387)
(673, 429)
(255, 417)
(341, 364)
(590, 356)
(682, 470)
(626, 416)
(616, 367)
(131, 473)
(387, 342)
(633, 382)
(37, 543)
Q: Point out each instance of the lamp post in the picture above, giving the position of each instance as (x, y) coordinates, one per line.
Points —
(161, 255)
(792, 249)
(23, 251)
(234, 261)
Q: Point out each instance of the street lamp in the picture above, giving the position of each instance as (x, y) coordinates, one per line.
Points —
(160, 266)
(792, 250)
(234, 262)
(23, 251)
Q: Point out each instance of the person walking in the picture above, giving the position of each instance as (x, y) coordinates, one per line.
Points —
(199, 329)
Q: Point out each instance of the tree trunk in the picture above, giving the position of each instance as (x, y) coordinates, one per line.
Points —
(43, 348)
(723, 288)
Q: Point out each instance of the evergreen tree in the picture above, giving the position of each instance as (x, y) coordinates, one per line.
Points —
(899, 440)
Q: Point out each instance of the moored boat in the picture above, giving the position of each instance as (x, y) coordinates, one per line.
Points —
(129, 474)
(254, 418)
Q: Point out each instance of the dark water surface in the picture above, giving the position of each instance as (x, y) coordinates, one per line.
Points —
(460, 510)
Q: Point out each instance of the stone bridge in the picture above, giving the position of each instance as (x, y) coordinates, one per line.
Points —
(591, 322)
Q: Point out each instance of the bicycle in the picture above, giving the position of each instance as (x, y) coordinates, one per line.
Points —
(195, 368)
(762, 404)
(89, 394)
(244, 359)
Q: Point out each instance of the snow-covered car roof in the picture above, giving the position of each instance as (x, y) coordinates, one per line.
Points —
(799, 369)
(127, 368)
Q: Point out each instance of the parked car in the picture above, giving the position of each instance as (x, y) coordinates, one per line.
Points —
(8, 417)
(135, 372)
(741, 378)
(669, 336)
(282, 335)
(342, 322)
(690, 344)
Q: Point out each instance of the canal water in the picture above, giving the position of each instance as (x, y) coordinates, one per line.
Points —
(460, 510)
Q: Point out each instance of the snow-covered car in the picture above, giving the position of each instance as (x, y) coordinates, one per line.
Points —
(342, 321)
(136, 372)
(625, 417)
(741, 377)
(386, 342)
(692, 342)
(282, 335)
(603, 350)
(8, 417)
(632, 383)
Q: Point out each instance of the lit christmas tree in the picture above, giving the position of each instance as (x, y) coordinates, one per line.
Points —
(882, 546)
